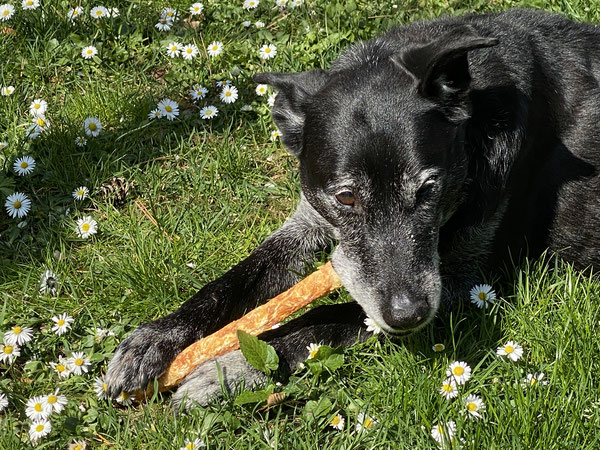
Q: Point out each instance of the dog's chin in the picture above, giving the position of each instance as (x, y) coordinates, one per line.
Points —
(396, 332)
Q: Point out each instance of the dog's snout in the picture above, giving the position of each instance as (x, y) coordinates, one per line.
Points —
(403, 313)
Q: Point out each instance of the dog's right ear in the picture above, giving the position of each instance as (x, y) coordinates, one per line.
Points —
(294, 92)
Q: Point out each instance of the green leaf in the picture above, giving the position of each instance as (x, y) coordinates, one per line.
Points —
(314, 409)
(258, 354)
(254, 396)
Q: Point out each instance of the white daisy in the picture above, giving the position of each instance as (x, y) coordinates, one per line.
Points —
(101, 333)
(268, 51)
(18, 335)
(100, 388)
(8, 353)
(6, 11)
(92, 126)
(443, 433)
(3, 402)
(80, 141)
(363, 422)
(74, 13)
(208, 112)
(62, 323)
(271, 99)
(511, 350)
(259, 24)
(38, 108)
(78, 444)
(261, 89)
(17, 205)
(62, 367)
(42, 123)
(196, 8)
(174, 49)
(192, 445)
(24, 165)
(30, 4)
(296, 3)
(246, 23)
(81, 193)
(124, 398)
(337, 422)
(223, 83)
(312, 350)
(155, 114)
(281, 3)
(438, 348)
(99, 12)
(89, 52)
(168, 108)
(171, 13)
(246, 108)
(55, 401)
(275, 134)
(114, 12)
(164, 24)
(3, 145)
(36, 409)
(250, 4)
(449, 389)
(39, 429)
(534, 379)
(33, 131)
(229, 94)
(483, 295)
(49, 283)
(215, 48)
(189, 52)
(198, 92)
(7, 90)
(78, 363)
(474, 405)
(460, 371)
(86, 227)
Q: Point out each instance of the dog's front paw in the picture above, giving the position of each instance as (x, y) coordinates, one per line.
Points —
(204, 384)
(144, 355)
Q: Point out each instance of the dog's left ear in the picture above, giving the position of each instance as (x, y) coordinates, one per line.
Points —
(441, 68)
(294, 91)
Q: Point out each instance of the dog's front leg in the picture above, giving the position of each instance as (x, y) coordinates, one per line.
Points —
(334, 325)
(271, 268)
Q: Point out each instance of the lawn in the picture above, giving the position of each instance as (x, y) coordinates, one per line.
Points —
(177, 202)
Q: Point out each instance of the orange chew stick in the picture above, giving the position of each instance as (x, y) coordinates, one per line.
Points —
(319, 283)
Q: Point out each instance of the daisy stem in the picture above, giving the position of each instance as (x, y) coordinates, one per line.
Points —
(146, 125)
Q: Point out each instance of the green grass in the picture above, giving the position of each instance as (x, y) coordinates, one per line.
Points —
(202, 195)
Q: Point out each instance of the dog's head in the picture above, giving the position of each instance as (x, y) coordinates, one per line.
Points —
(379, 140)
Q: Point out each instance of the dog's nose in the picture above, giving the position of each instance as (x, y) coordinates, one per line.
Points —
(402, 313)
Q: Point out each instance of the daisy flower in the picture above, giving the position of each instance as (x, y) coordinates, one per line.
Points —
(62, 367)
(370, 323)
(6, 11)
(39, 429)
(3, 402)
(174, 49)
(259, 24)
(164, 24)
(246, 23)
(268, 51)
(30, 4)
(99, 12)
(215, 48)
(92, 126)
(86, 227)
(155, 114)
(275, 134)
(38, 108)
(89, 52)
(281, 3)
(80, 193)
(8, 353)
(80, 141)
(196, 9)
(189, 52)
(62, 323)
(124, 398)
(460, 371)
(7, 90)
(208, 112)
(250, 4)
(191, 445)
(168, 108)
(49, 283)
(100, 388)
(438, 348)
(33, 131)
(3, 145)
(534, 379)
(18, 335)
(511, 350)
(198, 92)
(222, 83)
(271, 99)
(114, 12)
(74, 13)
(312, 350)
(36, 409)
(78, 363)
(296, 3)
(337, 422)
(483, 295)
(261, 89)
(473, 405)
(55, 401)
(246, 108)
(78, 444)
(24, 165)
(364, 422)
(229, 94)
(17, 205)
(171, 13)
(42, 123)
(443, 433)
(101, 333)
(449, 389)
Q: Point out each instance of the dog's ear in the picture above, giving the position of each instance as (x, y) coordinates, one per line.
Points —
(441, 68)
(294, 91)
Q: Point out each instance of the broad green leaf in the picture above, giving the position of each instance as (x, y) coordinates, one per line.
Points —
(258, 354)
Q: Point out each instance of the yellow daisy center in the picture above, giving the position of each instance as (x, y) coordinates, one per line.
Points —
(38, 407)
(79, 192)
(190, 446)
(509, 349)
(188, 50)
(52, 399)
(440, 429)
(533, 381)
(24, 165)
(447, 387)
(75, 12)
(471, 406)
(61, 322)
(41, 122)
(89, 52)
(335, 420)
(208, 112)
(17, 204)
(79, 361)
(168, 108)
(18, 329)
(6, 12)
(60, 368)
(174, 48)
(267, 50)
(37, 106)
(215, 48)
(104, 387)
(170, 14)
(482, 296)
(313, 353)
(92, 126)
(39, 428)
(438, 347)
(368, 423)
(85, 227)
(78, 447)
(458, 370)
(227, 94)
(29, 3)
(98, 13)
(196, 9)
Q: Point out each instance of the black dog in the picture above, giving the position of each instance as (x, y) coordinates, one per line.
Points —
(428, 153)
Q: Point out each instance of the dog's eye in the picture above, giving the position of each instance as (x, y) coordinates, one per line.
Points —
(426, 190)
(346, 198)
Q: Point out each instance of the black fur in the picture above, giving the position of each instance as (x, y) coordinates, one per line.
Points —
(426, 154)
